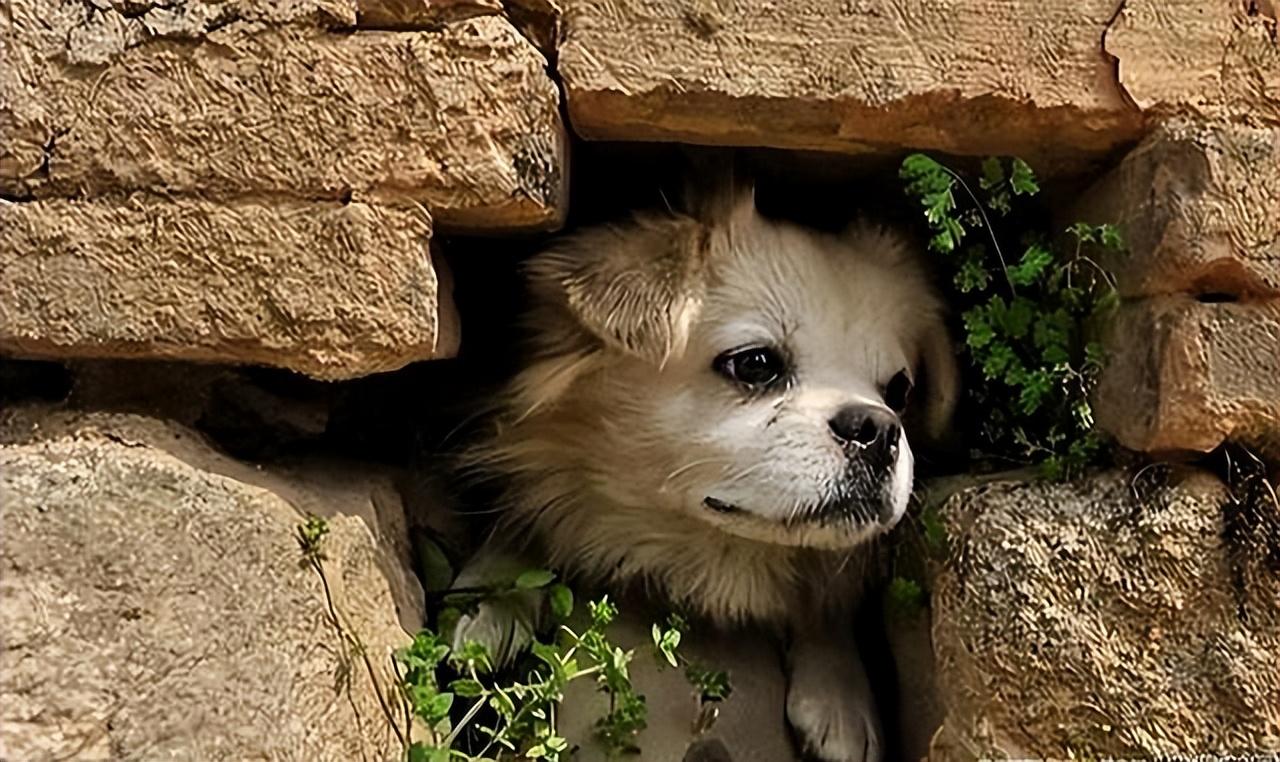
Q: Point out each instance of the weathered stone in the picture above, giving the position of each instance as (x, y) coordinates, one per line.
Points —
(327, 289)
(1101, 619)
(1187, 375)
(153, 603)
(417, 14)
(1199, 206)
(1209, 60)
(463, 119)
(539, 20)
(971, 78)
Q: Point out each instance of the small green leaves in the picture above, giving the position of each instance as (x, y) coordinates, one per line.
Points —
(1031, 369)
(973, 274)
(935, 531)
(666, 642)
(711, 684)
(993, 182)
(905, 598)
(1034, 263)
(932, 184)
(603, 612)
(523, 699)
(310, 535)
(1022, 180)
(534, 579)
(433, 566)
(561, 598)
(1110, 238)
(466, 688)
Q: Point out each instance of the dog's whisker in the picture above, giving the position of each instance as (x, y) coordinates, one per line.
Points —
(690, 466)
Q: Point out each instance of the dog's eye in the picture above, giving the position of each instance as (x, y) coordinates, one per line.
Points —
(753, 366)
(898, 391)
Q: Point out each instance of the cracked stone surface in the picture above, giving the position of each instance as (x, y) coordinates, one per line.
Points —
(152, 603)
(972, 78)
(327, 289)
(1102, 620)
(1214, 61)
(1185, 375)
(1199, 207)
(247, 98)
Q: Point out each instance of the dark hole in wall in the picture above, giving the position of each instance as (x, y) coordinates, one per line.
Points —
(388, 415)
(27, 380)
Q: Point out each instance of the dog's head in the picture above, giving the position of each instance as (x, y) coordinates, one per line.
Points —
(756, 375)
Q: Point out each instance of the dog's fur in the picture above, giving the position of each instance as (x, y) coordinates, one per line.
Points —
(618, 436)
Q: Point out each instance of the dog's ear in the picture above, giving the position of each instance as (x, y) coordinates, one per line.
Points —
(638, 287)
(939, 375)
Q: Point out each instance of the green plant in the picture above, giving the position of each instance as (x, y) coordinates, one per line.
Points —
(1025, 318)
(521, 708)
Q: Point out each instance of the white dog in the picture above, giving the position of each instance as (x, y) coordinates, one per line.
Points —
(714, 409)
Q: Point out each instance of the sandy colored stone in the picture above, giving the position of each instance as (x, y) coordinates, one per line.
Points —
(1199, 206)
(463, 119)
(977, 77)
(330, 290)
(1214, 60)
(417, 14)
(153, 606)
(1186, 375)
(1102, 620)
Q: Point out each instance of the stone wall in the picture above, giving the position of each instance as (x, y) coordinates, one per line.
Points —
(247, 182)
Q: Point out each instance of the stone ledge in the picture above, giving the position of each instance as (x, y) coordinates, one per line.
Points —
(153, 604)
(969, 78)
(1199, 205)
(1209, 60)
(464, 120)
(1186, 375)
(330, 290)
(1103, 619)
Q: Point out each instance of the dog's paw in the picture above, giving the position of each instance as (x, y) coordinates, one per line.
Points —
(505, 626)
(829, 701)
(832, 727)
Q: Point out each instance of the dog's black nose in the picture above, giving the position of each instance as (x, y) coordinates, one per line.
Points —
(870, 429)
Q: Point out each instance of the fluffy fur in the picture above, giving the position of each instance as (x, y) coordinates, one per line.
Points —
(619, 435)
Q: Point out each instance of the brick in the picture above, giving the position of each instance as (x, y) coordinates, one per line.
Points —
(1199, 205)
(464, 119)
(1209, 60)
(1106, 618)
(1186, 375)
(330, 290)
(973, 78)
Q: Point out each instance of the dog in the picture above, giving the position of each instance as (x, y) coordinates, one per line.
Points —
(719, 409)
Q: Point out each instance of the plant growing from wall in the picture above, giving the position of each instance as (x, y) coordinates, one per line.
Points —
(512, 713)
(1026, 312)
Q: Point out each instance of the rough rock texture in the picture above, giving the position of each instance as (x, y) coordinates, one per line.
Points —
(1079, 621)
(419, 14)
(463, 119)
(328, 289)
(1214, 60)
(973, 77)
(1200, 209)
(1186, 375)
(152, 603)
